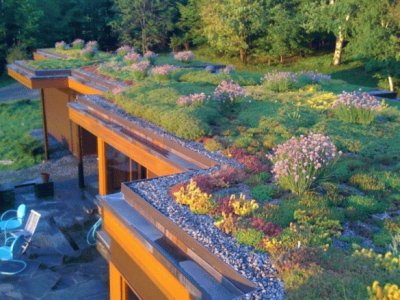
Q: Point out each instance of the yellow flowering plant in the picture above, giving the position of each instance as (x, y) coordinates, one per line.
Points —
(191, 195)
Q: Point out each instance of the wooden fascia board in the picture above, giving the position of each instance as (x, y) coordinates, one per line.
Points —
(160, 275)
(82, 88)
(140, 153)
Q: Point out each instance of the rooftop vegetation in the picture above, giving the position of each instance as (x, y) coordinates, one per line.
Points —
(320, 160)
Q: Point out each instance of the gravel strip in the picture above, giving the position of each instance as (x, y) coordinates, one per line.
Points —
(253, 265)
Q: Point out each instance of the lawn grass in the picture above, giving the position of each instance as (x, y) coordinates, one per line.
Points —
(5, 80)
(17, 119)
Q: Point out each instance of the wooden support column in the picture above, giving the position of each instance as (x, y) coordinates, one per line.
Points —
(118, 287)
(45, 134)
(102, 160)
(81, 177)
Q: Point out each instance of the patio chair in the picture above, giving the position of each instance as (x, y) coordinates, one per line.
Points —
(13, 218)
(91, 235)
(29, 229)
(13, 247)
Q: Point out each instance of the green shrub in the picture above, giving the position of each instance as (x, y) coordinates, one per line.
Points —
(360, 207)
(367, 182)
(213, 145)
(16, 53)
(355, 115)
(258, 178)
(262, 192)
(250, 237)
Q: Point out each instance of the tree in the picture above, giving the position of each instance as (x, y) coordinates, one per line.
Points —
(18, 25)
(190, 24)
(333, 16)
(232, 26)
(284, 34)
(376, 37)
(144, 23)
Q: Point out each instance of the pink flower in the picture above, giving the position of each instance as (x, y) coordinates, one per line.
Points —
(185, 56)
(163, 70)
(132, 57)
(299, 161)
(124, 50)
(228, 91)
(140, 66)
(191, 99)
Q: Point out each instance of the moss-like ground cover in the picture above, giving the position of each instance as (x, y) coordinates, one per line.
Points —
(18, 149)
(72, 61)
(314, 239)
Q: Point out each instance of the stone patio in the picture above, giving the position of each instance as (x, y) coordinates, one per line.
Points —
(61, 265)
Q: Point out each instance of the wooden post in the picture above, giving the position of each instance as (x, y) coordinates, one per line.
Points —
(45, 137)
(102, 160)
(117, 284)
(81, 177)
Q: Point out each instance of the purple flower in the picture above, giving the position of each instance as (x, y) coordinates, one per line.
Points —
(314, 76)
(358, 100)
(228, 91)
(280, 76)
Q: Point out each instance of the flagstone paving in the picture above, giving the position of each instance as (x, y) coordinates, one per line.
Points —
(61, 265)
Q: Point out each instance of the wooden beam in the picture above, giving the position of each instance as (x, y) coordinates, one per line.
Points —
(83, 88)
(158, 165)
(102, 161)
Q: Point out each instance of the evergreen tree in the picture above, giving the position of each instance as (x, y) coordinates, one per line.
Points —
(144, 23)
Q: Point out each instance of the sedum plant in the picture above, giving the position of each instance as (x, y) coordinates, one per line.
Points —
(226, 224)
(242, 206)
(357, 107)
(300, 161)
(191, 195)
(388, 292)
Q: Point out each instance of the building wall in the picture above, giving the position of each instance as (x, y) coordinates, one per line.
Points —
(58, 123)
